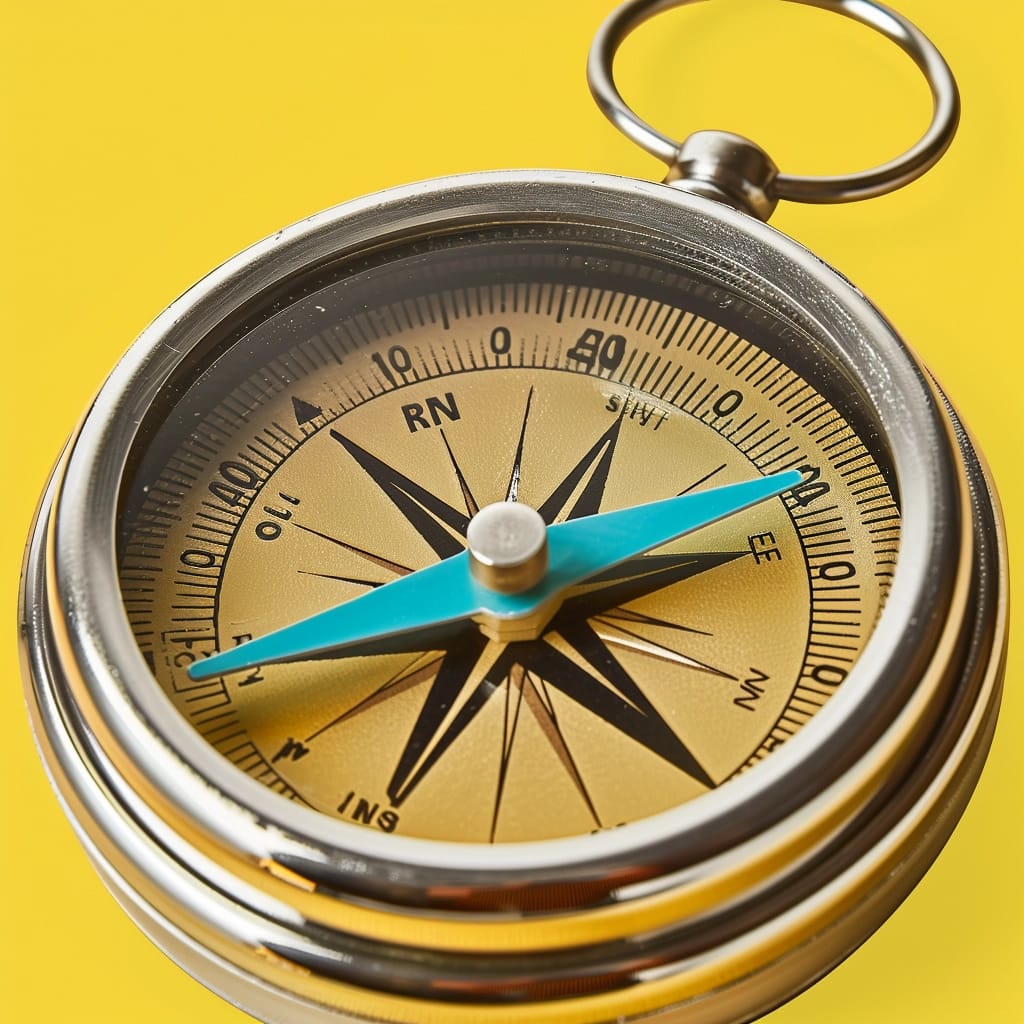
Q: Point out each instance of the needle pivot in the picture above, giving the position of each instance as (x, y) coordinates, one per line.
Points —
(508, 547)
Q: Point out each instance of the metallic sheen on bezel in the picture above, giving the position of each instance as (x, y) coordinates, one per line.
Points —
(295, 916)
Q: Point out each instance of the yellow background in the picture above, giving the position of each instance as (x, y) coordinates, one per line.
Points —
(146, 143)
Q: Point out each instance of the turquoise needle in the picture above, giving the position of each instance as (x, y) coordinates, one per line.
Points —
(447, 592)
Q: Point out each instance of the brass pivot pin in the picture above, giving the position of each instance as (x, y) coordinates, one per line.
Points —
(508, 547)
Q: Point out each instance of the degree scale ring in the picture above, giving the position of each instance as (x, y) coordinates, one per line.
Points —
(844, 188)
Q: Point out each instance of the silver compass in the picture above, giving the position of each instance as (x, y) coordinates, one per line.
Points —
(527, 595)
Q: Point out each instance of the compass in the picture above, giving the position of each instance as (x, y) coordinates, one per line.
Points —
(532, 593)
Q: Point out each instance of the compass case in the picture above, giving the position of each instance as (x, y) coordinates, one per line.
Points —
(715, 910)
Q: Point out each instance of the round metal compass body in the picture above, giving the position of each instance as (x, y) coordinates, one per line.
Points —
(538, 596)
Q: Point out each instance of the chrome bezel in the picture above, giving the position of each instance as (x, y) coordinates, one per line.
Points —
(98, 707)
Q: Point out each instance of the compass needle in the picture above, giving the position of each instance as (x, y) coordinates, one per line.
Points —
(526, 595)
(446, 592)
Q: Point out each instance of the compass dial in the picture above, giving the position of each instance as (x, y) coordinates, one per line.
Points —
(345, 434)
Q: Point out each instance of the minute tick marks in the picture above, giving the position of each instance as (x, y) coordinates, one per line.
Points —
(620, 700)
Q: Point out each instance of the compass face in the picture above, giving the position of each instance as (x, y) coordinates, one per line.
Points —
(345, 435)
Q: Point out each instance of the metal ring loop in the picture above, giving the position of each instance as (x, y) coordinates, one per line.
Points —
(808, 189)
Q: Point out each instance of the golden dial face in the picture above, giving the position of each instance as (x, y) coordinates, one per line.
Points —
(347, 435)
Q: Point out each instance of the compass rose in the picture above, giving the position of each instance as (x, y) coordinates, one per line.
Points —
(568, 647)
